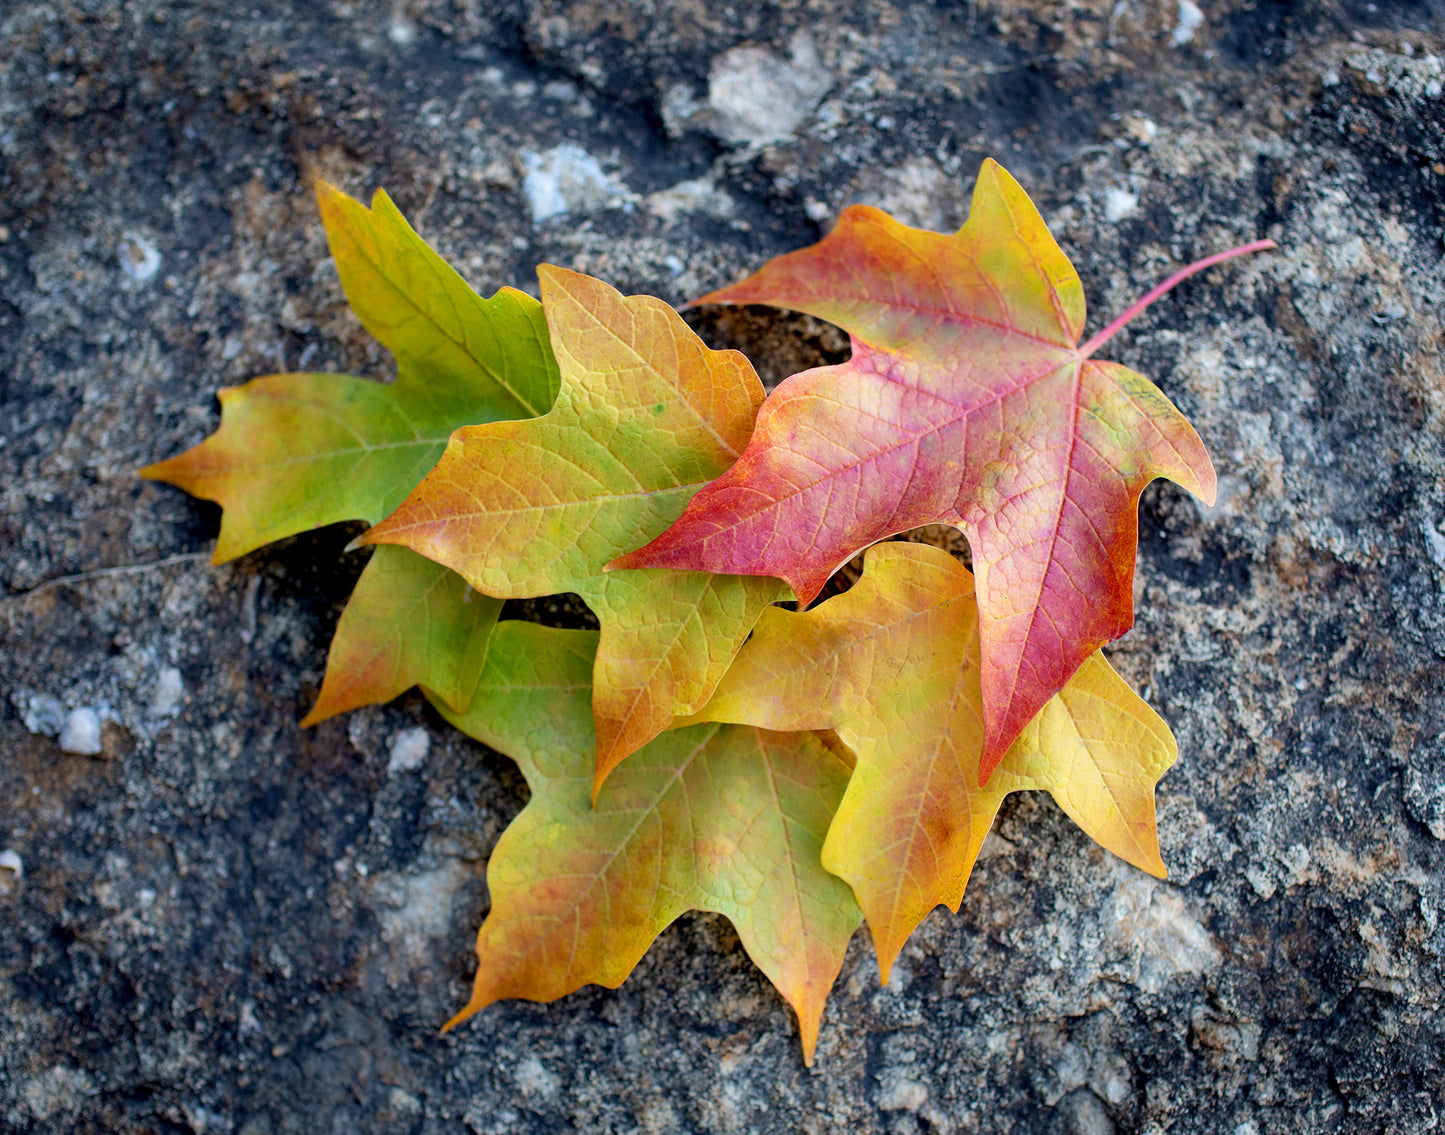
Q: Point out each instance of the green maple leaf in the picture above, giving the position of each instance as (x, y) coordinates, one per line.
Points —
(298, 451)
(410, 622)
(728, 819)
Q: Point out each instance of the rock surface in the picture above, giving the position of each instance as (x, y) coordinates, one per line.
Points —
(218, 922)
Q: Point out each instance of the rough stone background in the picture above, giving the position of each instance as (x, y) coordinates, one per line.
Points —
(221, 923)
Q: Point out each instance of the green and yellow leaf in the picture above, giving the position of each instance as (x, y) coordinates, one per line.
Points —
(726, 819)
(297, 451)
(892, 666)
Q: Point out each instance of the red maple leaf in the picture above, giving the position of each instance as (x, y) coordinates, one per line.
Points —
(967, 401)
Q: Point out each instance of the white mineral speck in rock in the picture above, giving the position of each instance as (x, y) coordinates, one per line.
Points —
(60, 1090)
(697, 196)
(1119, 203)
(679, 107)
(757, 98)
(916, 193)
(80, 734)
(567, 179)
(816, 211)
(535, 1080)
(408, 750)
(903, 1095)
(138, 257)
(1434, 542)
(416, 912)
(1084, 1114)
(42, 713)
(1142, 130)
(10, 861)
(1190, 20)
(169, 689)
(1425, 801)
(1151, 922)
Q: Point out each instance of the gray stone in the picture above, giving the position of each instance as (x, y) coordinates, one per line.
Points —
(757, 98)
(234, 924)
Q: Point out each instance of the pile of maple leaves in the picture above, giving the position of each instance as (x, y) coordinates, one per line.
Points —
(797, 771)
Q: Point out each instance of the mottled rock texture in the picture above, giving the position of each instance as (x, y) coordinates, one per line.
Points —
(222, 923)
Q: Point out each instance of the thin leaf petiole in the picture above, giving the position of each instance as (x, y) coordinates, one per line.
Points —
(1168, 285)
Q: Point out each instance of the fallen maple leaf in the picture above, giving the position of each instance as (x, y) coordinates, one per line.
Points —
(297, 451)
(893, 666)
(725, 819)
(645, 416)
(966, 401)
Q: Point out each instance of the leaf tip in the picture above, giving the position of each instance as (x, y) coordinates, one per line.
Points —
(316, 716)
(1147, 856)
(718, 295)
(810, 1020)
(457, 1019)
(616, 741)
(647, 556)
(651, 555)
(330, 201)
(226, 550)
(376, 534)
(480, 999)
(1207, 490)
(886, 950)
(989, 760)
(553, 275)
(183, 470)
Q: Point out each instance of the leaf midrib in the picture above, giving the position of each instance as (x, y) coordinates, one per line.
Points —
(460, 345)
